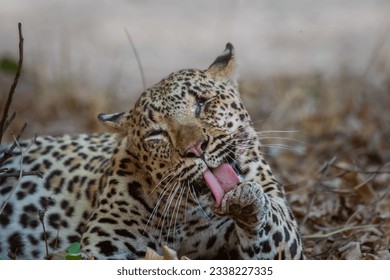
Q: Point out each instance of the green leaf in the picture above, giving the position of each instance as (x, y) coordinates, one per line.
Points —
(73, 252)
(8, 65)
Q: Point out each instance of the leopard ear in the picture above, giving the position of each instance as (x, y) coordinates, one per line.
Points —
(224, 65)
(112, 121)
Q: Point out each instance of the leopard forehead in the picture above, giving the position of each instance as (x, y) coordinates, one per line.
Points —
(175, 97)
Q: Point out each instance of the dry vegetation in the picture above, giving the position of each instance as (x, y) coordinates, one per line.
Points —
(336, 164)
(326, 138)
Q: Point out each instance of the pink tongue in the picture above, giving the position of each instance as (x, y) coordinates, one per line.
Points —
(221, 180)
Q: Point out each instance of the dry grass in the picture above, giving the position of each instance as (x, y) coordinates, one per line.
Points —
(335, 166)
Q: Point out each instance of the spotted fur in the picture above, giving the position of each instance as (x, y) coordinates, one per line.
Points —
(141, 185)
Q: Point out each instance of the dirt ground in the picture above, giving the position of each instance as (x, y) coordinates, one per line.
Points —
(328, 143)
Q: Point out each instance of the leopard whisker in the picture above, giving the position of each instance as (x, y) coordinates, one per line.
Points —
(186, 204)
(238, 164)
(278, 146)
(266, 135)
(176, 211)
(282, 147)
(276, 131)
(195, 198)
(159, 200)
(177, 187)
(286, 139)
(282, 138)
(234, 160)
(166, 209)
(248, 145)
(166, 175)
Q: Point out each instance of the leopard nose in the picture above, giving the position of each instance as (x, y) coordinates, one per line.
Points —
(196, 150)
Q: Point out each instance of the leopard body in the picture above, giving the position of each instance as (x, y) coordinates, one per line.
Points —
(142, 185)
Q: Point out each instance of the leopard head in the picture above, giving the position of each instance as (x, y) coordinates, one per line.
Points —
(187, 132)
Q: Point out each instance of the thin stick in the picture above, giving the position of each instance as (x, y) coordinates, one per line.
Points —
(20, 172)
(376, 172)
(42, 220)
(348, 228)
(19, 176)
(141, 70)
(323, 172)
(9, 153)
(9, 121)
(15, 83)
(24, 174)
(280, 249)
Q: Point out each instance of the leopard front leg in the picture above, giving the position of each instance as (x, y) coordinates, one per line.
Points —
(249, 207)
(260, 233)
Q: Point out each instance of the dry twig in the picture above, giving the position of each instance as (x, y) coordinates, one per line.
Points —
(20, 173)
(24, 174)
(323, 173)
(9, 153)
(20, 176)
(11, 92)
(141, 70)
(42, 220)
(342, 229)
(374, 172)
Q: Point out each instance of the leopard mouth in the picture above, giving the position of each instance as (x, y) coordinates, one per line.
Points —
(218, 180)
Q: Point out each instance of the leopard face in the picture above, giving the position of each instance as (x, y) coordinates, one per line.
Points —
(192, 121)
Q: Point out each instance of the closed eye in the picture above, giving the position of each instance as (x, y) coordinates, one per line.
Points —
(153, 135)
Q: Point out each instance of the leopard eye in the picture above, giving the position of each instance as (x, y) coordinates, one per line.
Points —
(202, 103)
(155, 135)
(199, 105)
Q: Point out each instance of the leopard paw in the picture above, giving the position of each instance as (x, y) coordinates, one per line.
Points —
(246, 204)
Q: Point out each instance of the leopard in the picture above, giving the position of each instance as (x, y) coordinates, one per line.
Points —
(183, 169)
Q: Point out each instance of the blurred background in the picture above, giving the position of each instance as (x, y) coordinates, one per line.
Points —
(315, 76)
(80, 48)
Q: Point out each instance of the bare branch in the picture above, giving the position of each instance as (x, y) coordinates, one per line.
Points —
(323, 171)
(24, 174)
(12, 89)
(20, 172)
(9, 153)
(9, 120)
(42, 220)
(343, 229)
(20, 176)
(141, 70)
(347, 170)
